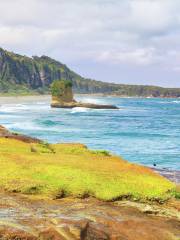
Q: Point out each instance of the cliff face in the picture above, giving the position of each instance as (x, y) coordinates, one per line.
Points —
(24, 74)
(32, 73)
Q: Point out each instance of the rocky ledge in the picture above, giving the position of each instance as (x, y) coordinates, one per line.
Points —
(4, 132)
(80, 104)
(29, 217)
(87, 219)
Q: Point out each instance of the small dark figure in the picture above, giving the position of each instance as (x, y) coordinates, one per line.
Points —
(154, 164)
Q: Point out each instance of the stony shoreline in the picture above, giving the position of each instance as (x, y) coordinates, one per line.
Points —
(26, 218)
(173, 175)
(33, 217)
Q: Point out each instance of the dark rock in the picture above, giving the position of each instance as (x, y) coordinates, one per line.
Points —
(7, 134)
(85, 105)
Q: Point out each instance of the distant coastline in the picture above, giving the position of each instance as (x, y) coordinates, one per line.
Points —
(32, 96)
(120, 96)
(22, 75)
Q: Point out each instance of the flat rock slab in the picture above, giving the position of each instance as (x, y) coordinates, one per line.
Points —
(85, 105)
(86, 219)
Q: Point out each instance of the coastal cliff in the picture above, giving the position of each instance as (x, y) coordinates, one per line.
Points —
(20, 74)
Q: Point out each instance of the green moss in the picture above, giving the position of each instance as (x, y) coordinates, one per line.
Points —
(102, 152)
(74, 170)
(176, 192)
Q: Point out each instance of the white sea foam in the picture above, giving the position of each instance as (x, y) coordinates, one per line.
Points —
(170, 102)
(80, 109)
(8, 109)
(25, 125)
(93, 100)
(12, 108)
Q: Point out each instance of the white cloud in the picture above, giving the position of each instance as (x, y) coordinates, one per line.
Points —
(141, 56)
(153, 16)
(131, 32)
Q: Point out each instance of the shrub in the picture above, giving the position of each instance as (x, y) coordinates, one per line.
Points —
(58, 87)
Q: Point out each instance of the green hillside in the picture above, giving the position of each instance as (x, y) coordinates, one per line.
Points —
(22, 75)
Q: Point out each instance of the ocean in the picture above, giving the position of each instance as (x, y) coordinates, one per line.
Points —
(144, 131)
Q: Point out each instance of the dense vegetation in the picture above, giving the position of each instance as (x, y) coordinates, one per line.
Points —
(58, 86)
(22, 75)
(61, 170)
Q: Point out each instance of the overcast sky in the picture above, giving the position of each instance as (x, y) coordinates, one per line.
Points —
(123, 41)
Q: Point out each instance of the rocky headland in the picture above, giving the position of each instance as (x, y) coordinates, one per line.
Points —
(42, 199)
(62, 97)
(21, 75)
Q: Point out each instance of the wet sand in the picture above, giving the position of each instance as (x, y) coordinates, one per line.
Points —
(24, 99)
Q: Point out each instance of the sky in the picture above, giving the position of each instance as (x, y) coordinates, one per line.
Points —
(121, 41)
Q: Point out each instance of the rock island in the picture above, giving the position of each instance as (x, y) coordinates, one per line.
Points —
(62, 97)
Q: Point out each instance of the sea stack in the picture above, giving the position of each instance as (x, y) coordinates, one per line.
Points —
(62, 97)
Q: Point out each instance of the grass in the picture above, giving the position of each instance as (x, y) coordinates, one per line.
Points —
(61, 170)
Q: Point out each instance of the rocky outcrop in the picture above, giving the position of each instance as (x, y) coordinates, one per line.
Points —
(62, 97)
(173, 175)
(29, 217)
(73, 104)
(4, 132)
(87, 219)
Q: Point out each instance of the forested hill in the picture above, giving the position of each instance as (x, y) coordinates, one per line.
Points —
(21, 74)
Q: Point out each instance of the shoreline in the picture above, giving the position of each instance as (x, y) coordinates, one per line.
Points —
(123, 96)
(173, 175)
(84, 94)
(21, 99)
(51, 198)
(170, 174)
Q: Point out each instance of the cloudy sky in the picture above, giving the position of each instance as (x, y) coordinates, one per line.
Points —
(123, 41)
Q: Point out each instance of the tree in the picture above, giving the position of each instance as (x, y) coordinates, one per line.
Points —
(59, 86)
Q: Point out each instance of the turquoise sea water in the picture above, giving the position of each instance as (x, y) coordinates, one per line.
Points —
(144, 131)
